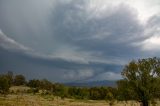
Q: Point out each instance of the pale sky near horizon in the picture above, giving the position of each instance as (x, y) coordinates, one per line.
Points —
(77, 40)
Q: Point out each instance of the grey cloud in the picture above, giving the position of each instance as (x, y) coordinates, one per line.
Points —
(27, 22)
(70, 16)
(69, 39)
(151, 44)
(108, 76)
(41, 66)
(53, 69)
(111, 35)
(11, 44)
(153, 25)
(78, 75)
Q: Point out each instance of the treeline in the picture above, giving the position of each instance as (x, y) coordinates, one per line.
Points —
(94, 93)
(141, 82)
(46, 87)
(8, 80)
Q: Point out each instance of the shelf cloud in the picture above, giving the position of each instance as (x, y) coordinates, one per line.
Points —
(76, 40)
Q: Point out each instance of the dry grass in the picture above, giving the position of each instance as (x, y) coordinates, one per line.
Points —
(37, 100)
(18, 89)
(20, 99)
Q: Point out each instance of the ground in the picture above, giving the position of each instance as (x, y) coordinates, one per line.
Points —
(39, 100)
(26, 99)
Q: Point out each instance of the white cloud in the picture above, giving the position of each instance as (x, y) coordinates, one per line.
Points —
(151, 44)
(108, 76)
(151, 41)
(145, 9)
(11, 44)
(78, 75)
(71, 54)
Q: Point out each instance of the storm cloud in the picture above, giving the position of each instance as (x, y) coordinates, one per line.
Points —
(76, 40)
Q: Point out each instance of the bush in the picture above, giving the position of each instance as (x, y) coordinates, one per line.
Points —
(4, 84)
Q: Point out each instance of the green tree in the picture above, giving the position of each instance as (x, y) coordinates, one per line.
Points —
(60, 90)
(19, 80)
(35, 83)
(10, 76)
(125, 91)
(142, 77)
(78, 93)
(4, 84)
(45, 85)
(97, 93)
(111, 93)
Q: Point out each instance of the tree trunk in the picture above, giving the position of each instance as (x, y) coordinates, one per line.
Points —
(145, 103)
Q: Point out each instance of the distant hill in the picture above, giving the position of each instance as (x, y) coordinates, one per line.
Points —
(92, 83)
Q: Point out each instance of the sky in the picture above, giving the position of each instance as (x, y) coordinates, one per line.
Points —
(77, 40)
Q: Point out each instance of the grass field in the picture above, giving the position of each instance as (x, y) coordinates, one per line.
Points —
(38, 100)
(23, 99)
(49, 100)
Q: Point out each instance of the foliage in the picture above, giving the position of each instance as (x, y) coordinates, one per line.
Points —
(141, 79)
(125, 91)
(34, 83)
(19, 80)
(78, 93)
(141, 82)
(10, 76)
(45, 84)
(4, 84)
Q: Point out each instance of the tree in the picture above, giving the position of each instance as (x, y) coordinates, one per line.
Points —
(142, 77)
(78, 93)
(60, 90)
(125, 91)
(97, 93)
(45, 85)
(9, 76)
(35, 83)
(4, 84)
(19, 80)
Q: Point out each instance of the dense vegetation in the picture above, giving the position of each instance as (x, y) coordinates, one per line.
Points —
(47, 87)
(141, 82)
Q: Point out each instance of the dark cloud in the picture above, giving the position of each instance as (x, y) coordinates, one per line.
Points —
(111, 35)
(55, 69)
(69, 40)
